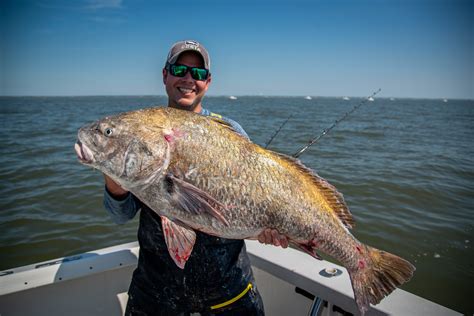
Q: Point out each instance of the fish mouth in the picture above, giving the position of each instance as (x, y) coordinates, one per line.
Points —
(84, 154)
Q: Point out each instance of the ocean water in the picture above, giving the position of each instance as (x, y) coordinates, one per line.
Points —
(405, 167)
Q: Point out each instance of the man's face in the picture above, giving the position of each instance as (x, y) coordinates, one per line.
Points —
(185, 92)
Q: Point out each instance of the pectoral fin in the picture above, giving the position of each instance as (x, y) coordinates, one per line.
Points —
(180, 241)
(194, 200)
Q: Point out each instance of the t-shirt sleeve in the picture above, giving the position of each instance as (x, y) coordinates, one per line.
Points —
(123, 210)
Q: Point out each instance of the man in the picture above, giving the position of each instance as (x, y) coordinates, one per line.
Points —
(217, 278)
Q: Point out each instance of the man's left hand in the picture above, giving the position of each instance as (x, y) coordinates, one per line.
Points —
(273, 237)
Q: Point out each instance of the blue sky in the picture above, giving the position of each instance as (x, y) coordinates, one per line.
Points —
(409, 48)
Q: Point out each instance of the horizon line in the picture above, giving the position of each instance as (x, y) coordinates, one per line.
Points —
(235, 95)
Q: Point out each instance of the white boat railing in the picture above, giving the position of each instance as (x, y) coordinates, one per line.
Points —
(95, 283)
(331, 282)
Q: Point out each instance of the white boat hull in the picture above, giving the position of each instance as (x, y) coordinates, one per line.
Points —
(96, 283)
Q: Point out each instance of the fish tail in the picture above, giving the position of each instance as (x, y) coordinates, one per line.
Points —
(377, 274)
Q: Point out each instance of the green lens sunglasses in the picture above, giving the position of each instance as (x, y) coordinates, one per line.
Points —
(197, 73)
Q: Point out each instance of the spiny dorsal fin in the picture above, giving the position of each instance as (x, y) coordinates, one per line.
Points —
(220, 121)
(330, 192)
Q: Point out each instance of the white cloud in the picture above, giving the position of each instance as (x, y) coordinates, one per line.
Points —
(83, 5)
(103, 4)
(107, 20)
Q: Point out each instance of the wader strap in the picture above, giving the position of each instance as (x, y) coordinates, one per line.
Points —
(232, 300)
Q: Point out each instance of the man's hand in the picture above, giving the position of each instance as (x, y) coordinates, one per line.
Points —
(273, 237)
(114, 189)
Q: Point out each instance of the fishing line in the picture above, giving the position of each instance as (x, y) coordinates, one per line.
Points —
(324, 132)
(276, 133)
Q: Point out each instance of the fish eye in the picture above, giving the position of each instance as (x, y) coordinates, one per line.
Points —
(108, 132)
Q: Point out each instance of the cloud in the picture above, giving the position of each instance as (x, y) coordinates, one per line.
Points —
(107, 20)
(84, 5)
(103, 4)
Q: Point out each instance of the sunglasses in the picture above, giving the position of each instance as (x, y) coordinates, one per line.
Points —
(197, 73)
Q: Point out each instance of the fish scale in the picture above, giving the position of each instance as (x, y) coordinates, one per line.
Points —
(198, 174)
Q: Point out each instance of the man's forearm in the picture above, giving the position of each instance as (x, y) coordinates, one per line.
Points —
(115, 190)
(121, 210)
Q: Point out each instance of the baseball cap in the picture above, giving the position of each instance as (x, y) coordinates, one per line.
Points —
(188, 45)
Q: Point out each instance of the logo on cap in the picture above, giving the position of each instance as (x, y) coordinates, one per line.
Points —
(191, 45)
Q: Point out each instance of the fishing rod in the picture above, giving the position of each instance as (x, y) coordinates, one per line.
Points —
(324, 132)
(278, 131)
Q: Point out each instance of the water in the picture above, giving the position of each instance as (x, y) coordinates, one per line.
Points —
(405, 167)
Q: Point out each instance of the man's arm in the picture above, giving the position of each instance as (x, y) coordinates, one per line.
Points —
(115, 190)
(121, 204)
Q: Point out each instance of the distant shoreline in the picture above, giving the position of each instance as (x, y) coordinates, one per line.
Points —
(239, 96)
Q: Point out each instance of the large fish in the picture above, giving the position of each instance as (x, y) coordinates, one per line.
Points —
(199, 174)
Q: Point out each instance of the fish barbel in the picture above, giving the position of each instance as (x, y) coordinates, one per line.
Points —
(199, 174)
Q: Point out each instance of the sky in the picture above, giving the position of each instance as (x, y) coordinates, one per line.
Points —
(408, 48)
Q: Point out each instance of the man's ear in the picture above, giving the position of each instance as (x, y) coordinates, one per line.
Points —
(208, 82)
(165, 75)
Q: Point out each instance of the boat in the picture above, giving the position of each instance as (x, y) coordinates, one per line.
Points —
(96, 283)
(370, 99)
(308, 97)
(445, 100)
(233, 97)
(392, 99)
(346, 98)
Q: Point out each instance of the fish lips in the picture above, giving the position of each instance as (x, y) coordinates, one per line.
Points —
(84, 154)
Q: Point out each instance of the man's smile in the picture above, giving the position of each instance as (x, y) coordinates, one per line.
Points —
(186, 90)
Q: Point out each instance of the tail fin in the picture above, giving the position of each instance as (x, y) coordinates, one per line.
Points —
(378, 276)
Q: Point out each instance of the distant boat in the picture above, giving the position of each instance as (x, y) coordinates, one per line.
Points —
(392, 99)
(445, 100)
(346, 98)
(232, 97)
(370, 99)
(308, 97)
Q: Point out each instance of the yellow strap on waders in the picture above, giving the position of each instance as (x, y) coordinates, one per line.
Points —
(232, 300)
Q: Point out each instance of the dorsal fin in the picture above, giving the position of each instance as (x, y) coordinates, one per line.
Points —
(220, 121)
(333, 196)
